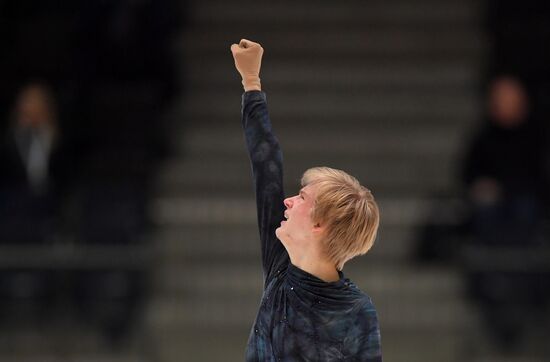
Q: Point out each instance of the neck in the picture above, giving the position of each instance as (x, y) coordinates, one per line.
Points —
(316, 266)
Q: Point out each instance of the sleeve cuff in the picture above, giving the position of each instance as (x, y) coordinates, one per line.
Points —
(254, 95)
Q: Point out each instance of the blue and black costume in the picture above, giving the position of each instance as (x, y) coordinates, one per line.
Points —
(301, 317)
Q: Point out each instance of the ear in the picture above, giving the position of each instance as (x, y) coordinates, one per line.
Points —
(318, 229)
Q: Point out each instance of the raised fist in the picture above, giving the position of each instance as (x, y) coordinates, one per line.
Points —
(248, 60)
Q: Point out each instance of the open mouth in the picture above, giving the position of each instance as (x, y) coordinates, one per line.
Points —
(285, 218)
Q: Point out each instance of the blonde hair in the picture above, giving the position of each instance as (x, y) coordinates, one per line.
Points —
(347, 209)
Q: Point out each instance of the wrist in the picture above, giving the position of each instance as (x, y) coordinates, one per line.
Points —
(252, 83)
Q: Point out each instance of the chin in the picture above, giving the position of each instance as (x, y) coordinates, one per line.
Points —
(279, 233)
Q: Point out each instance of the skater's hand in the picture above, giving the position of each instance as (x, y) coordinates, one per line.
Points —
(248, 60)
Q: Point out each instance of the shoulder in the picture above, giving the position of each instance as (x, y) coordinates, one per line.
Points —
(363, 312)
(363, 302)
(366, 311)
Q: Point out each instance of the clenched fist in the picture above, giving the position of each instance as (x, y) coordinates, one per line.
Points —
(248, 60)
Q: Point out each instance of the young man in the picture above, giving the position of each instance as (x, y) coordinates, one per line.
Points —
(309, 311)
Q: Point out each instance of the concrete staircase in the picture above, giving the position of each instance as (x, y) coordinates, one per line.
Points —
(381, 89)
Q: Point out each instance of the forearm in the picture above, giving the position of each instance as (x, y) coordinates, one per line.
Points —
(262, 145)
(264, 151)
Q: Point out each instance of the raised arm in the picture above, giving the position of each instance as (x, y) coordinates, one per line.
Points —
(265, 156)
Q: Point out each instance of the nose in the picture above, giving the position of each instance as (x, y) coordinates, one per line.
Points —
(288, 202)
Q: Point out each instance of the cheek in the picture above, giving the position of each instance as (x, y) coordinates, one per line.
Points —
(305, 215)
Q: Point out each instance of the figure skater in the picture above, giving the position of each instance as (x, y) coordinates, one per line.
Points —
(309, 311)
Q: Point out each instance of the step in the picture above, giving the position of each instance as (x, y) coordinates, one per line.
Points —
(234, 189)
(363, 104)
(329, 42)
(202, 279)
(435, 345)
(332, 139)
(64, 340)
(226, 310)
(504, 357)
(63, 357)
(220, 212)
(384, 176)
(187, 244)
(338, 74)
(288, 13)
(184, 122)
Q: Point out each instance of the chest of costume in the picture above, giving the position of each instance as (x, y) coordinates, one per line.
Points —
(293, 324)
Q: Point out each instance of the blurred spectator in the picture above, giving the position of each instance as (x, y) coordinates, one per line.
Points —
(36, 166)
(86, 181)
(505, 185)
(35, 171)
(504, 169)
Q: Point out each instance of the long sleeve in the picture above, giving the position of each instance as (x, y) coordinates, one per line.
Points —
(267, 168)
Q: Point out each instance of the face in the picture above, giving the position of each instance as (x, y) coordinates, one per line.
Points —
(298, 228)
(508, 102)
(33, 108)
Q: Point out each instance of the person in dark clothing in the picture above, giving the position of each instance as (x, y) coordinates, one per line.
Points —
(309, 310)
(36, 175)
(504, 169)
(36, 166)
(505, 184)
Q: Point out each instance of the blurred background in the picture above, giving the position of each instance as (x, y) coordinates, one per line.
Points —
(127, 217)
